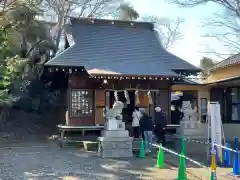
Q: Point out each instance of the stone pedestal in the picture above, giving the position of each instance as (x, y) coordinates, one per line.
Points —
(196, 133)
(115, 125)
(194, 130)
(115, 141)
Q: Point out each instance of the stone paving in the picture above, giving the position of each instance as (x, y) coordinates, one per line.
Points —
(44, 161)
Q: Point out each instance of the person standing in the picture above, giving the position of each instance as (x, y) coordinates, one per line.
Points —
(161, 123)
(146, 125)
(136, 115)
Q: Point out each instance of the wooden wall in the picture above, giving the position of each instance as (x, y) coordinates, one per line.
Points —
(224, 73)
(82, 81)
(99, 105)
(163, 100)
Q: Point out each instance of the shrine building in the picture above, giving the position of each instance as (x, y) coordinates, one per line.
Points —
(104, 57)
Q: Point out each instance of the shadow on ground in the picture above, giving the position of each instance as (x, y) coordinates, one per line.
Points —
(45, 161)
(42, 160)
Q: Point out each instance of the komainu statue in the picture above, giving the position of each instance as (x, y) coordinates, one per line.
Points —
(189, 112)
(113, 117)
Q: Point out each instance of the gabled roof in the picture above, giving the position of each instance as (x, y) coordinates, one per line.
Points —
(226, 62)
(123, 47)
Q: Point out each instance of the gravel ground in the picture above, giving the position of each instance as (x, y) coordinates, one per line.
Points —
(43, 161)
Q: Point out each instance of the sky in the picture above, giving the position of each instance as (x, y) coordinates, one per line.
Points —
(191, 47)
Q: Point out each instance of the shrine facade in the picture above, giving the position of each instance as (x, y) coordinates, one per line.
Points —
(115, 60)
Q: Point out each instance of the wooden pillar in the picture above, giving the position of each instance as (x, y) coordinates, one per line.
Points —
(107, 99)
(100, 104)
(163, 101)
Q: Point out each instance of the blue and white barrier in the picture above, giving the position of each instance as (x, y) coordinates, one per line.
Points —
(177, 154)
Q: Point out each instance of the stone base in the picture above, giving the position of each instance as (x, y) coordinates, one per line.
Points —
(115, 133)
(113, 124)
(194, 130)
(115, 147)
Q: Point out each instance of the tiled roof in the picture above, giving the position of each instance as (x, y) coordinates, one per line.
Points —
(121, 47)
(227, 62)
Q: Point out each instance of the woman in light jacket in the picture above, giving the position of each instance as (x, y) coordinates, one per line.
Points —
(135, 122)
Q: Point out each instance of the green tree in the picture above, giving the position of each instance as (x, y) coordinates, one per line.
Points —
(11, 69)
(206, 63)
(24, 45)
(27, 30)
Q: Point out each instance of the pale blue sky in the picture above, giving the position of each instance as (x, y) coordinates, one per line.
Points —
(191, 47)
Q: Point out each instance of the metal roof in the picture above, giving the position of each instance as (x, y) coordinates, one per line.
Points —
(226, 62)
(119, 46)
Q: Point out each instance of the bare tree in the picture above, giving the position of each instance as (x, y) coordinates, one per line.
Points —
(232, 5)
(63, 9)
(168, 29)
(223, 27)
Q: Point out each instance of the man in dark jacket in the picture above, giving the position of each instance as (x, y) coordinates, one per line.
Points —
(146, 126)
(161, 123)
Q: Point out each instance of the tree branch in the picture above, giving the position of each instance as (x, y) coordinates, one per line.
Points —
(63, 9)
(168, 29)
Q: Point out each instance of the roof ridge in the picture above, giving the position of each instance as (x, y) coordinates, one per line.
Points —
(107, 22)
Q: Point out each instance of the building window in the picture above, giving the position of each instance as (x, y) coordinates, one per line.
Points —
(235, 99)
(81, 103)
(204, 110)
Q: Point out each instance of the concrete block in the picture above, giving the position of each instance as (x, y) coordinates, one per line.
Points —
(110, 147)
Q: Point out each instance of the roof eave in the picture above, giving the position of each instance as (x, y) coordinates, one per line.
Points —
(223, 80)
(190, 71)
(137, 75)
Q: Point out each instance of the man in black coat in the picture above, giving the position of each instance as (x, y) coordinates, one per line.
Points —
(160, 125)
(146, 126)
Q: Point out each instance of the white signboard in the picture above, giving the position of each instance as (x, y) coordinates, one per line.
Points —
(216, 126)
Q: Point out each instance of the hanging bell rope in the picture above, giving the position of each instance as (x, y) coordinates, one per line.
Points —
(149, 97)
(126, 96)
(137, 97)
(116, 95)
